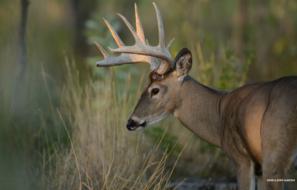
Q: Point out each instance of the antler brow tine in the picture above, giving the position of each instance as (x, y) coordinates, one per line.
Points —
(170, 43)
(101, 50)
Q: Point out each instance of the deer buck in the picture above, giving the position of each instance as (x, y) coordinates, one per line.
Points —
(255, 125)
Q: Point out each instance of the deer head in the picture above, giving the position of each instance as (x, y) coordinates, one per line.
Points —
(161, 96)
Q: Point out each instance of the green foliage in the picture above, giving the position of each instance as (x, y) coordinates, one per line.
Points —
(223, 71)
(209, 28)
(168, 142)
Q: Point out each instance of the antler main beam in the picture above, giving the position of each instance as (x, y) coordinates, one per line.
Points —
(141, 51)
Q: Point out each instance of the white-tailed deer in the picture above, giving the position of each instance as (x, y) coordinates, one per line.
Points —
(256, 125)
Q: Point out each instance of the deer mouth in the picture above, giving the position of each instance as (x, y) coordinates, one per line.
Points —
(133, 125)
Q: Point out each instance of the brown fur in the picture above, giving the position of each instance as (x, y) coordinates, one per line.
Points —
(255, 124)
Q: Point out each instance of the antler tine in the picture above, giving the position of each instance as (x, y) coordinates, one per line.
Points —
(111, 61)
(101, 50)
(148, 51)
(119, 60)
(130, 27)
(170, 43)
(158, 56)
(114, 34)
(139, 28)
(160, 26)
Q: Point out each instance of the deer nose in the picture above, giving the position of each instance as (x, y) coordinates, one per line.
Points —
(132, 125)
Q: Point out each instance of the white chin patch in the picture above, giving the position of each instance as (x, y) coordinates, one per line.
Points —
(181, 78)
(137, 119)
(155, 119)
(150, 120)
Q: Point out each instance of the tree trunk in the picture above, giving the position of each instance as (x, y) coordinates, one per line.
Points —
(22, 33)
(18, 94)
(81, 11)
(80, 15)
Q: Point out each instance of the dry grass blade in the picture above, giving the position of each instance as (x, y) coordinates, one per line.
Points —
(102, 154)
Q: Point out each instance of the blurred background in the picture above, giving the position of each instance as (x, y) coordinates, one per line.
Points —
(62, 120)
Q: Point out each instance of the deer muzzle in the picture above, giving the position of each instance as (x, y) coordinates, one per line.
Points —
(133, 124)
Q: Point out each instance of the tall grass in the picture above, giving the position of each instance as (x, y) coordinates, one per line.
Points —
(102, 153)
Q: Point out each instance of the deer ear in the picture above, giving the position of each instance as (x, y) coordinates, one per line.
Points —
(183, 62)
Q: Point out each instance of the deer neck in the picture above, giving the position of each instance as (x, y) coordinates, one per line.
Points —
(199, 110)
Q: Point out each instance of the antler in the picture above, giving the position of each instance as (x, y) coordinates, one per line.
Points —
(158, 56)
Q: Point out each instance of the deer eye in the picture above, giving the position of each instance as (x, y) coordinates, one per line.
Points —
(155, 91)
